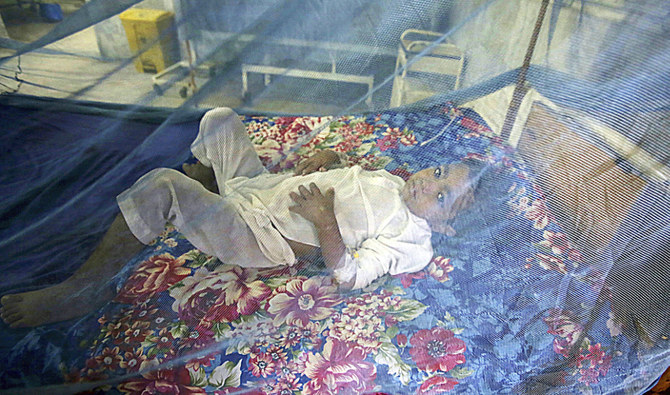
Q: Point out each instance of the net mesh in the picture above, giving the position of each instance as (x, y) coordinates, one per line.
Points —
(555, 280)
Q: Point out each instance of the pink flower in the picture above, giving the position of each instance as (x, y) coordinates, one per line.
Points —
(539, 213)
(286, 385)
(440, 268)
(599, 359)
(600, 365)
(303, 300)
(154, 275)
(563, 324)
(242, 288)
(339, 369)
(588, 376)
(436, 349)
(436, 384)
(363, 129)
(261, 365)
(291, 336)
(549, 262)
(556, 242)
(170, 381)
(278, 355)
(401, 340)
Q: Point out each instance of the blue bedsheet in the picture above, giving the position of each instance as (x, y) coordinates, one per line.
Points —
(498, 309)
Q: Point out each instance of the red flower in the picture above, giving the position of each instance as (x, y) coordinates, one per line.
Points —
(476, 127)
(133, 360)
(109, 358)
(220, 296)
(170, 381)
(154, 275)
(164, 339)
(436, 384)
(196, 363)
(115, 329)
(339, 369)
(199, 337)
(401, 340)
(137, 333)
(436, 349)
(407, 278)
(284, 120)
(387, 142)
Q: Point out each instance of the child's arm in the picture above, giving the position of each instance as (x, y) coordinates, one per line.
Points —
(318, 208)
(322, 160)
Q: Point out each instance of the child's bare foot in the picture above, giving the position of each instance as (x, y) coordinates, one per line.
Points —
(60, 302)
(202, 174)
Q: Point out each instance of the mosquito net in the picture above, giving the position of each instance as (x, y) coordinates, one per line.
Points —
(489, 211)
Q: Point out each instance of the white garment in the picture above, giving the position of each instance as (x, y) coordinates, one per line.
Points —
(380, 233)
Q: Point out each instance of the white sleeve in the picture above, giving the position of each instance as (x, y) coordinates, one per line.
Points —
(407, 252)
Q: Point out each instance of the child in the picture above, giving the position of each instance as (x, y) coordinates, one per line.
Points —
(364, 224)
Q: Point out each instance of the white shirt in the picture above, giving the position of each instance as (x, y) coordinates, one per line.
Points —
(380, 233)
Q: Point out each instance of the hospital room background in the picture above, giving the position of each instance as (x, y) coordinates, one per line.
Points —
(558, 281)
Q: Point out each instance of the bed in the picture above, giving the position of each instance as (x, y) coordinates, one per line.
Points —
(506, 305)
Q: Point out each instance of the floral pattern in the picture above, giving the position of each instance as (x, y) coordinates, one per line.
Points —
(477, 319)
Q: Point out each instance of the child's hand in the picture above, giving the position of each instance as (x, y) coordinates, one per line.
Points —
(314, 206)
(317, 162)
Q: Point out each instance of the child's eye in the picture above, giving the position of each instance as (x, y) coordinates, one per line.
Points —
(438, 172)
(440, 197)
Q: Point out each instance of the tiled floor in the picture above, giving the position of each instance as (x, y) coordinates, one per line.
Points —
(73, 69)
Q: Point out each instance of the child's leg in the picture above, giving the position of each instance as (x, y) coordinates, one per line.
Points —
(207, 220)
(223, 145)
(86, 290)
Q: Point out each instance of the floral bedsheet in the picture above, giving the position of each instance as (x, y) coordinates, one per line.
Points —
(483, 317)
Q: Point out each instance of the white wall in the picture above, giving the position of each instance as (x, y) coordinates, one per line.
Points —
(3, 29)
(497, 40)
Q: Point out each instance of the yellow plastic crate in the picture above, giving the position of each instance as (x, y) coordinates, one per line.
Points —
(151, 34)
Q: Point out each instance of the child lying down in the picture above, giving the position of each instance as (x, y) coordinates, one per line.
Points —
(363, 224)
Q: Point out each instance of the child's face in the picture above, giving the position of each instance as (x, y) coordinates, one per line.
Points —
(437, 194)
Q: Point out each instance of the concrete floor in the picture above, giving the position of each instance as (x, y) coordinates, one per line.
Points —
(74, 69)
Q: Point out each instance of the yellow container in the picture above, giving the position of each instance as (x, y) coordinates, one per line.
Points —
(151, 34)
